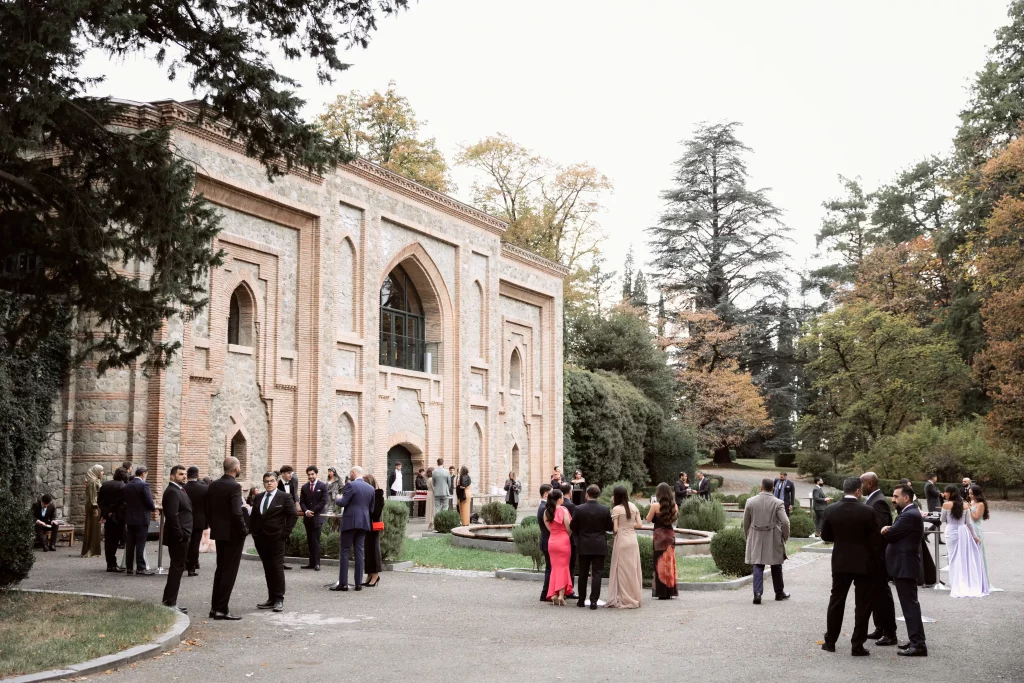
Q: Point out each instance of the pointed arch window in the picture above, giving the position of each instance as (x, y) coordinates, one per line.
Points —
(515, 371)
(240, 318)
(402, 323)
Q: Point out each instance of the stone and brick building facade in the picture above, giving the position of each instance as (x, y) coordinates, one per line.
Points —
(358, 318)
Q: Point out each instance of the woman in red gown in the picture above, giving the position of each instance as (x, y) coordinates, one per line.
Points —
(557, 520)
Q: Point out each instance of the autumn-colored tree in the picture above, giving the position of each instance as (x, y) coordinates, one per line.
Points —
(717, 398)
(383, 128)
(907, 278)
(999, 268)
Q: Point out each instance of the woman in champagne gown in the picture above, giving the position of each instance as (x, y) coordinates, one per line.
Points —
(557, 520)
(625, 577)
(429, 512)
(91, 541)
(967, 577)
(979, 513)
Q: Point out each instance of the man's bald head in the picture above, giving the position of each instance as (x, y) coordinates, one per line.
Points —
(232, 466)
(868, 483)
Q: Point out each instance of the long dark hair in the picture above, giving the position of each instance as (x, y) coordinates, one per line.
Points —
(620, 497)
(666, 504)
(979, 497)
(553, 498)
(957, 511)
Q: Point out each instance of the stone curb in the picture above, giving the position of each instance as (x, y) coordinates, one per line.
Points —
(816, 548)
(716, 586)
(167, 641)
(326, 561)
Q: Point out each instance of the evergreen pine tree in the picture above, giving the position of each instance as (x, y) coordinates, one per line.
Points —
(638, 298)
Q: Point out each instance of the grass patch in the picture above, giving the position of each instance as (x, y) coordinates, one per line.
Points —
(794, 545)
(439, 552)
(699, 570)
(40, 631)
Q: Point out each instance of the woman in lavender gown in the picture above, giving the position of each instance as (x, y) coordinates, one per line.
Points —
(979, 513)
(967, 577)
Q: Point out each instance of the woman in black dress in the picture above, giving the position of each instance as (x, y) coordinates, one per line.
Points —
(663, 513)
(374, 560)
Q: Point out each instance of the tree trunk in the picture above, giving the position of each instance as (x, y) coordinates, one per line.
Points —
(722, 455)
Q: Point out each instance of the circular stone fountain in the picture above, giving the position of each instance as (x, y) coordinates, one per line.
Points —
(499, 537)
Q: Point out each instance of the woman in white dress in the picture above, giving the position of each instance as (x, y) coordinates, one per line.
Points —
(979, 513)
(967, 577)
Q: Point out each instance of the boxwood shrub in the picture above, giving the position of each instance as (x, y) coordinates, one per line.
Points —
(530, 520)
(446, 520)
(527, 540)
(703, 515)
(395, 518)
(800, 524)
(728, 549)
(496, 512)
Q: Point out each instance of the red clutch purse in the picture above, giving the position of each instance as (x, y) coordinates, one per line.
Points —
(377, 526)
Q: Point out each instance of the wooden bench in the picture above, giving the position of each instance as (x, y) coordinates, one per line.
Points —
(66, 530)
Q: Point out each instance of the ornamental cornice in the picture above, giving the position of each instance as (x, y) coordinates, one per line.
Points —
(516, 253)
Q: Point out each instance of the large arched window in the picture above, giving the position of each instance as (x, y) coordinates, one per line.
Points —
(515, 371)
(240, 318)
(402, 323)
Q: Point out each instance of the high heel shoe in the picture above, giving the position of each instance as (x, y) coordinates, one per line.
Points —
(374, 584)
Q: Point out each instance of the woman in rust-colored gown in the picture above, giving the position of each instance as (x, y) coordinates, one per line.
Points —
(557, 520)
(663, 513)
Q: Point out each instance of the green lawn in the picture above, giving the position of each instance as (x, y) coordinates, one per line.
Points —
(702, 569)
(439, 552)
(40, 631)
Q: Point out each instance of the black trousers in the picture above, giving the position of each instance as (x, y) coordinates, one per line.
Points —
(47, 535)
(862, 597)
(135, 546)
(883, 610)
(572, 558)
(819, 517)
(192, 558)
(111, 538)
(229, 555)
(547, 575)
(271, 551)
(313, 540)
(592, 567)
(350, 537)
(906, 589)
(177, 552)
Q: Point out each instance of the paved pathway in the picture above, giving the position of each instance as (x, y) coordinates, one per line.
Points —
(420, 626)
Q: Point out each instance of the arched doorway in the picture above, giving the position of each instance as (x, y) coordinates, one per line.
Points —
(401, 454)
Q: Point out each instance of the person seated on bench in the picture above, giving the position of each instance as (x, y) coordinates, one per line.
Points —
(44, 513)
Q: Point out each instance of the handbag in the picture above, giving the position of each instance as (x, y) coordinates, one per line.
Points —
(377, 526)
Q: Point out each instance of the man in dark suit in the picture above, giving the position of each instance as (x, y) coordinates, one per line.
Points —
(357, 500)
(566, 489)
(903, 562)
(883, 609)
(312, 501)
(111, 503)
(932, 495)
(545, 489)
(44, 512)
(196, 492)
(965, 492)
(227, 528)
(287, 485)
(852, 528)
(177, 532)
(703, 486)
(590, 526)
(784, 490)
(138, 509)
(270, 519)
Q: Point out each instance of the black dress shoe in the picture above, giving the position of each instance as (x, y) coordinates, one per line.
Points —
(913, 652)
(782, 596)
(757, 598)
(357, 587)
(859, 651)
(115, 570)
(225, 616)
(193, 573)
(144, 572)
(279, 605)
(265, 605)
(338, 587)
(828, 647)
(287, 567)
(580, 603)
(183, 610)
(875, 635)
(316, 568)
(307, 566)
(53, 548)
(903, 647)
(46, 549)
(593, 605)
(886, 641)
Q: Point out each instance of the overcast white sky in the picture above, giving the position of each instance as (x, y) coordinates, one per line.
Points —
(860, 88)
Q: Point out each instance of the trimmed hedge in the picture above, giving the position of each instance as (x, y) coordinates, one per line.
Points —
(741, 500)
(728, 549)
(446, 520)
(785, 459)
(887, 485)
(16, 539)
(531, 520)
(800, 524)
(497, 512)
(813, 462)
(703, 515)
(527, 540)
(606, 493)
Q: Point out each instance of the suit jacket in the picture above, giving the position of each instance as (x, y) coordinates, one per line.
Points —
(704, 488)
(879, 504)
(276, 522)
(590, 526)
(544, 533)
(292, 489)
(44, 514)
(442, 484)
(853, 529)
(766, 528)
(933, 496)
(358, 500)
(111, 501)
(681, 490)
(903, 548)
(196, 492)
(138, 502)
(178, 516)
(224, 510)
(787, 493)
(314, 500)
(818, 503)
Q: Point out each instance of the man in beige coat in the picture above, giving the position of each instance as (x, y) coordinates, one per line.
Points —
(766, 527)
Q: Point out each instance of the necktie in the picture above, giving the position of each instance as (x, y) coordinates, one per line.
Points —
(266, 502)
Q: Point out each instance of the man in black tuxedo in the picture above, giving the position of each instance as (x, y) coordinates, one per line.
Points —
(271, 517)
(852, 528)
(903, 562)
(784, 490)
(287, 485)
(932, 495)
(196, 492)
(965, 492)
(44, 512)
(138, 509)
(566, 489)
(545, 489)
(227, 528)
(312, 501)
(883, 610)
(111, 503)
(703, 486)
(590, 526)
(177, 532)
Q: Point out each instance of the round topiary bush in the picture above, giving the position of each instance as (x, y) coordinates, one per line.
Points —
(529, 521)
(728, 549)
(720, 497)
(446, 520)
(741, 500)
(700, 514)
(800, 524)
(498, 513)
(731, 498)
(527, 540)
